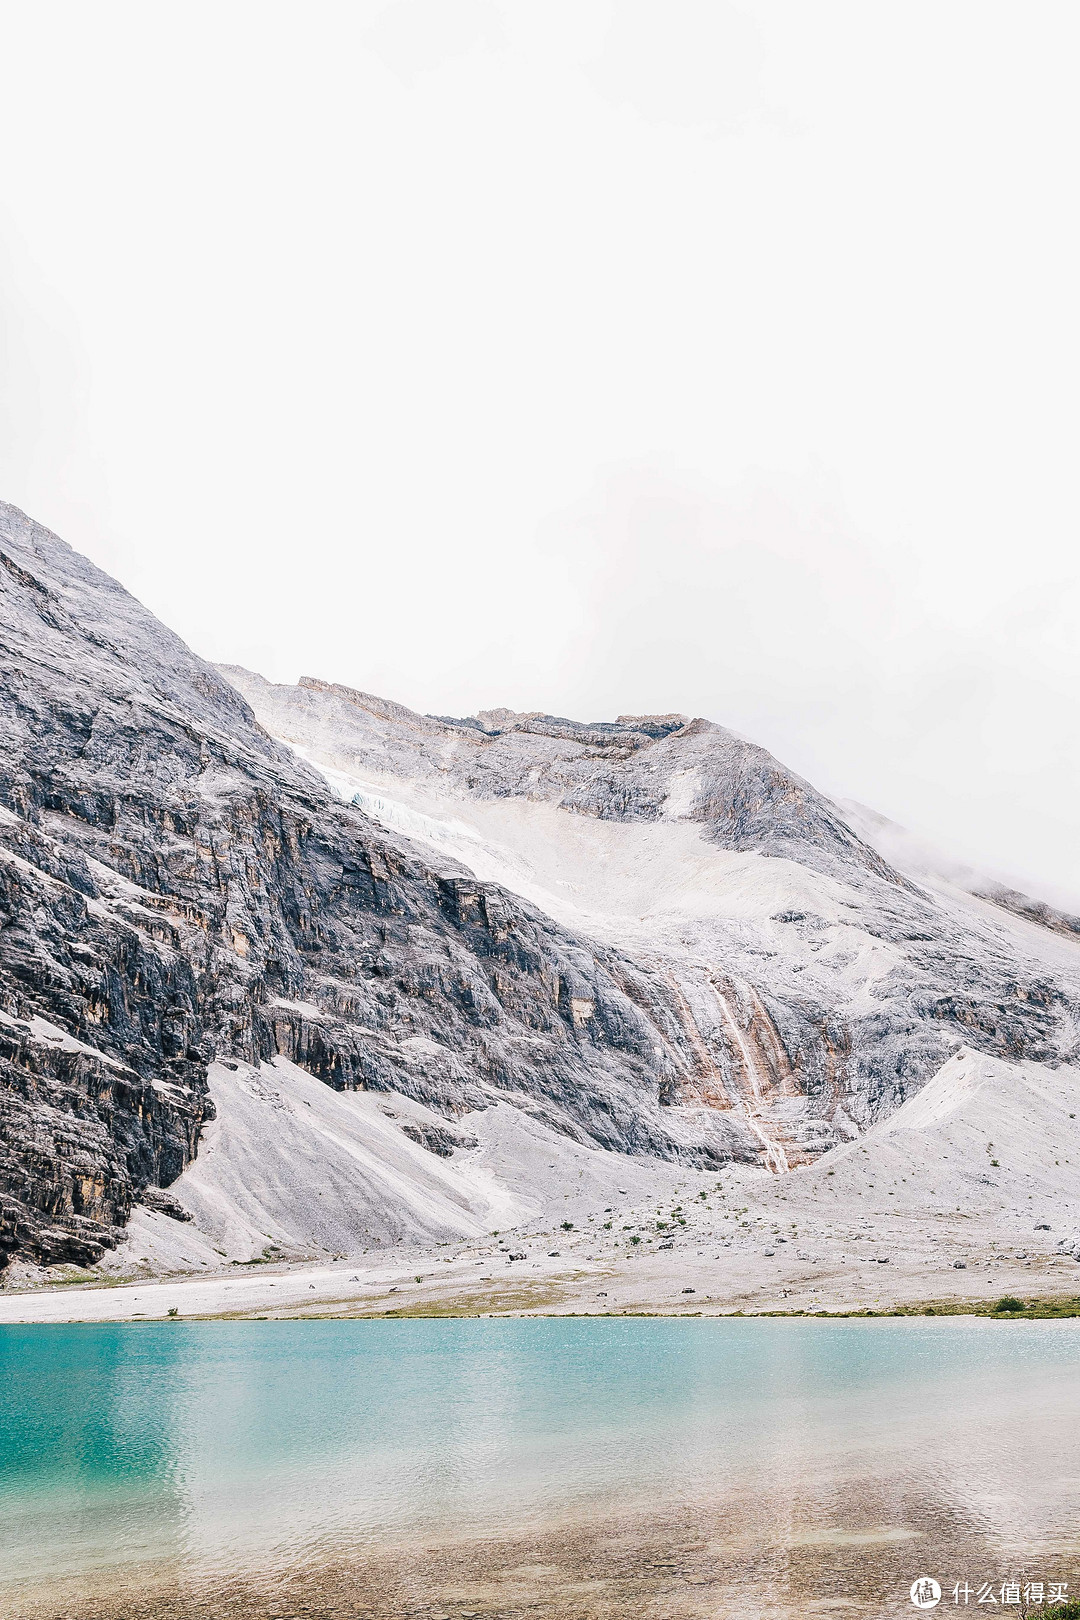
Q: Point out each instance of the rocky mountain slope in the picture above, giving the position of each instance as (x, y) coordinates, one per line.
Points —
(177, 886)
(812, 980)
(642, 937)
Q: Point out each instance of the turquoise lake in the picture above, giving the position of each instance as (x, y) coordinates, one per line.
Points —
(828, 1462)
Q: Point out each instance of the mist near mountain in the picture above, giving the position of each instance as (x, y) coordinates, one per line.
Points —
(654, 356)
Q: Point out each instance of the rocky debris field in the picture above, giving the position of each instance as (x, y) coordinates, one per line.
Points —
(686, 1255)
(916, 1214)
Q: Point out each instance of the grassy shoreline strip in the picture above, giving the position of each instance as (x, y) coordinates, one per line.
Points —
(1007, 1308)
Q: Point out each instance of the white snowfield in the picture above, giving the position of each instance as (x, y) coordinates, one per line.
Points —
(604, 875)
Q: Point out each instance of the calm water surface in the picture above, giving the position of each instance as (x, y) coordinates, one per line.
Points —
(852, 1452)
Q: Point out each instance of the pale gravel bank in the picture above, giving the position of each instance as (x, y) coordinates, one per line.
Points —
(595, 1281)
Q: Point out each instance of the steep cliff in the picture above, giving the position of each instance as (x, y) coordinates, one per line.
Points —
(175, 886)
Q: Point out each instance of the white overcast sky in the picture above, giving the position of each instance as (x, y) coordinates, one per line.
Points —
(593, 356)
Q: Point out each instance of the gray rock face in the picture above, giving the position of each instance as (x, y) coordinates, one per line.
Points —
(437, 1139)
(175, 886)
